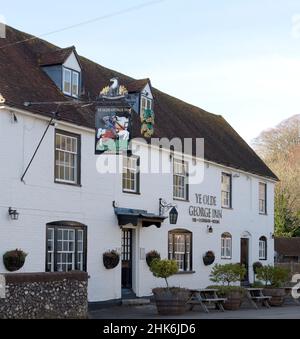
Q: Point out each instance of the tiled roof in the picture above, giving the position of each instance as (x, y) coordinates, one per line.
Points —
(22, 79)
(57, 57)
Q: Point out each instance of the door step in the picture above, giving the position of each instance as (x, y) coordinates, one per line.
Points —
(135, 302)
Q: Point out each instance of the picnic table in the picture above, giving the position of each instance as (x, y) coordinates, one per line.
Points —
(255, 296)
(204, 297)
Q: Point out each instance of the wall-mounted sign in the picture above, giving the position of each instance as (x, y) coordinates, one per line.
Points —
(2, 287)
(113, 120)
(206, 210)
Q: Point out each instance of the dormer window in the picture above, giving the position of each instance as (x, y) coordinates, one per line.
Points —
(64, 68)
(70, 82)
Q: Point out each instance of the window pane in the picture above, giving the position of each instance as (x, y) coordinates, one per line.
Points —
(66, 158)
(67, 81)
(180, 250)
(75, 84)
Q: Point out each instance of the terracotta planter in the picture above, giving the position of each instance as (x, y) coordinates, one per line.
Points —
(171, 301)
(277, 296)
(234, 301)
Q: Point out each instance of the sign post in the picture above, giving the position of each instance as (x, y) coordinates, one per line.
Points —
(2, 287)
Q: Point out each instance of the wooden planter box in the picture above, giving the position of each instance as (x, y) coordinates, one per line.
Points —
(171, 301)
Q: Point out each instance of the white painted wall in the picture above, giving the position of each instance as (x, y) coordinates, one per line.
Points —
(41, 201)
(72, 63)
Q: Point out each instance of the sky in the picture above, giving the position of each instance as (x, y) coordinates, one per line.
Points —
(239, 59)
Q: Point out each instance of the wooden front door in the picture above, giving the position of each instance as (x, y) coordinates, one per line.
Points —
(127, 259)
(245, 258)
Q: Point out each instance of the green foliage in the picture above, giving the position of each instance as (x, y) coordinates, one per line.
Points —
(287, 222)
(227, 274)
(256, 266)
(273, 276)
(225, 291)
(151, 256)
(14, 260)
(164, 269)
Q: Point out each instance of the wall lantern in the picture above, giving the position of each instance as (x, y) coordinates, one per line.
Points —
(13, 214)
(164, 207)
(210, 229)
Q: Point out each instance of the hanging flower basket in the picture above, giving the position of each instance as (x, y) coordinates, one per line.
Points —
(111, 260)
(151, 256)
(14, 260)
(209, 258)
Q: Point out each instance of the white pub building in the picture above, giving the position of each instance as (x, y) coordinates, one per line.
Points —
(57, 206)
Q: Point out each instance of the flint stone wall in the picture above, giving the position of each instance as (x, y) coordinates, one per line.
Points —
(45, 295)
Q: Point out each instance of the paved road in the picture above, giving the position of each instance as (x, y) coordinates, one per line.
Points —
(149, 312)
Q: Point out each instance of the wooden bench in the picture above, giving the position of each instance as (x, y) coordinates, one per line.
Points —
(205, 298)
(255, 296)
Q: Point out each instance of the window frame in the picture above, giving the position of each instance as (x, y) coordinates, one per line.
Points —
(137, 188)
(263, 240)
(185, 177)
(265, 211)
(77, 181)
(71, 72)
(66, 226)
(186, 234)
(229, 206)
(75, 95)
(67, 70)
(227, 238)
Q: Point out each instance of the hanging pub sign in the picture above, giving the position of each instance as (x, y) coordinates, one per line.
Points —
(113, 120)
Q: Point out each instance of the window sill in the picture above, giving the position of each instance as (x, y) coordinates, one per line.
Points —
(227, 208)
(186, 273)
(67, 184)
(131, 193)
(263, 214)
(181, 200)
(226, 258)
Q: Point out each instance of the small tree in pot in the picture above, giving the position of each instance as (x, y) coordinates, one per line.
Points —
(169, 301)
(274, 279)
(228, 275)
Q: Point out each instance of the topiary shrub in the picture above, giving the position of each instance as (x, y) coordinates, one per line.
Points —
(274, 277)
(111, 259)
(151, 256)
(164, 269)
(227, 274)
(14, 260)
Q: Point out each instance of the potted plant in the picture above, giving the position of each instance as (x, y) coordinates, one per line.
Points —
(111, 259)
(14, 260)
(151, 256)
(256, 266)
(209, 258)
(274, 279)
(228, 275)
(169, 301)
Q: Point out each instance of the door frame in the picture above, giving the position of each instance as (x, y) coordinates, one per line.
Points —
(131, 263)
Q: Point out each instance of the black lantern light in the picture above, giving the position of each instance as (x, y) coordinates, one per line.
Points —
(165, 207)
(173, 216)
(13, 214)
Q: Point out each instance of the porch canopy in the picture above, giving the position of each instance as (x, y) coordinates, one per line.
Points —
(134, 217)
